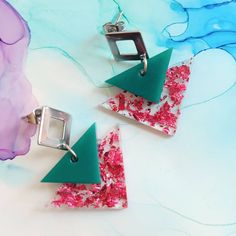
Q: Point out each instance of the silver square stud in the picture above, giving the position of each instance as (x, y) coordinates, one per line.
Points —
(54, 127)
(136, 37)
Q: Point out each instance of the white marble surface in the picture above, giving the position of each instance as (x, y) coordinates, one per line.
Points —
(177, 186)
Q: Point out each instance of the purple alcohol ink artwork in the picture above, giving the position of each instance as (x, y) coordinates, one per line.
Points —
(16, 99)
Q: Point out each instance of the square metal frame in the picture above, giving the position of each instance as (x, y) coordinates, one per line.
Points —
(135, 36)
(47, 115)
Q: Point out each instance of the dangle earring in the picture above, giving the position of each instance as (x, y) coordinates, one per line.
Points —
(152, 92)
(91, 172)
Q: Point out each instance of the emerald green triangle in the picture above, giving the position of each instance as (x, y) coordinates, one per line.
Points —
(85, 170)
(150, 85)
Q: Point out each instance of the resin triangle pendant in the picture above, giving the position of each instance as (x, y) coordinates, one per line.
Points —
(111, 192)
(85, 170)
(150, 85)
(161, 116)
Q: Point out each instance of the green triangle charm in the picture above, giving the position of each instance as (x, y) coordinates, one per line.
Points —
(150, 85)
(85, 170)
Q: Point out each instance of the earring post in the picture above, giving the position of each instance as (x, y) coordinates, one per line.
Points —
(118, 17)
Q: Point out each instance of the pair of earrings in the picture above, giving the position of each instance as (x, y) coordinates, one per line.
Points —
(150, 94)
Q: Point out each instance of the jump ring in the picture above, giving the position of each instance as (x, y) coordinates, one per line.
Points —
(145, 64)
(74, 157)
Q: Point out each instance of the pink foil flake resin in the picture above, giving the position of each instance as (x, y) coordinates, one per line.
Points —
(16, 99)
(163, 115)
(111, 193)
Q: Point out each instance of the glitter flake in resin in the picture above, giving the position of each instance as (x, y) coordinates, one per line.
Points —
(111, 193)
(161, 116)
